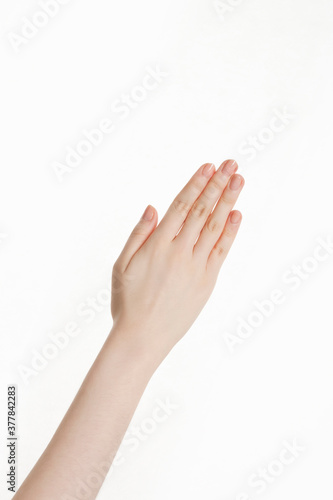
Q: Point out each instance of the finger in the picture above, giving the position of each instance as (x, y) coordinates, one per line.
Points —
(204, 204)
(218, 218)
(138, 236)
(181, 205)
(224, 243)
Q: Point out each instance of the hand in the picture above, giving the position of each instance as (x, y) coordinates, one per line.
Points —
(166, 273)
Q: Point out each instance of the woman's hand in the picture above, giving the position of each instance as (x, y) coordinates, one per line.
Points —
(165, 274)
(161, 281)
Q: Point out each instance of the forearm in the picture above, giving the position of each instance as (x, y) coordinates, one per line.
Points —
(92, 429)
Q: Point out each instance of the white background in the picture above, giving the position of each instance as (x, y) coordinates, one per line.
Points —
(227, 76)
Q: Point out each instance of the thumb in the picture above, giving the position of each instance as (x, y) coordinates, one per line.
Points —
(138, 236)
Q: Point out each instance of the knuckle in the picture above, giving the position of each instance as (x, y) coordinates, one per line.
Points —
(199, 210)
(219, 249)
(139, 230)
(213, 188)
(196, 188)
(228, 233)
(180, 207)
(212, 225)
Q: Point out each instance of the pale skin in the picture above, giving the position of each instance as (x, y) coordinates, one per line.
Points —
(161, 281)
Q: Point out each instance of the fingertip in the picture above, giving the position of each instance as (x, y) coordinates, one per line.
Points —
(149, 214)
(236, 182)
(235, 217)
(229, 167)
(208, 169)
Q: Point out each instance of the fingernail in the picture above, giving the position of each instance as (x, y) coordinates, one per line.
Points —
(235, 217)
(148, 214)
(208, 169)
(229, 167)
(236, 181)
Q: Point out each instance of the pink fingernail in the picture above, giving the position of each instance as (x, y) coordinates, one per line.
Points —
(148, 214)
(229, 167)
(236, 182)
(235, 217)
(208, 169)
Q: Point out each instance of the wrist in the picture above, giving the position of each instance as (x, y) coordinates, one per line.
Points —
(131, 350)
